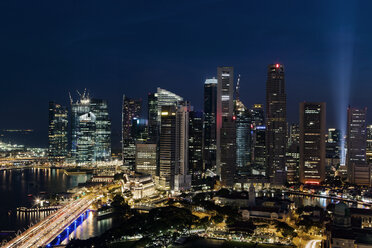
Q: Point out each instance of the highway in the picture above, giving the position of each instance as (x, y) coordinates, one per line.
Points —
(46, 230)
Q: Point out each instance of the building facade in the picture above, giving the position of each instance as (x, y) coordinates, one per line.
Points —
(258, 143)
(226, 131)
(131, 109)
(196, 167)
(90, 131)
(57, 135)
(210, 115)
(276, 124)
(146, 159)
(312, 142)
(358, 169)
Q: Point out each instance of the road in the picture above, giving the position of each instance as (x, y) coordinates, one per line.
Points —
(46, 230)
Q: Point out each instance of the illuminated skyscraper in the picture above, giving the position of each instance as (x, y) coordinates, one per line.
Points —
(293, 154)
(131, 109)
(196, 144)
(58, 126)
(90, 131)
(139, 130)
(312, 142)
(369, 144)
(333, 150)
(258, 136)
(293, 134)
(276, 123)
(152, 115)
(167, 147)
(102, 147)
(173, 148)
(146, 159)
(243, 139)
(226, 130)
(210, 113)
(166, 98)
(358, 169)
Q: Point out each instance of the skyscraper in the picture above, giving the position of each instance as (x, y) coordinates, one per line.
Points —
(182, 176)
(276, 123)
(258, 136)
(173, 148)
(293, 153)
(196, 144)
(102, 147)
(243, 139)
(210, 113)
(369, 144)
(226, 131)
(152, 116)
(131, 109)
(333, 150)
(312, 142)
(166, 98)
(58, 126)
(90, 131)
(146, 159)
(167, 147)
(357, 167)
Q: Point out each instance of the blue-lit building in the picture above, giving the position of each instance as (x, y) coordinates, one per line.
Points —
(243, 139)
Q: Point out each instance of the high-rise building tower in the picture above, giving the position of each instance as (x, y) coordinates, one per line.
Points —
(369, 144)
(90, 131)
(102, 148)
(258, 136)
(226, 130)
(131, 109)
(210, 114)
(153, 125)
(196, 145)
(173, 148)
(166, 98)
(293, 153)
(58, 126)
(357, 167)
(243, 138)
(167, 147)
(276, 124)
(146, 158)
(312, 142)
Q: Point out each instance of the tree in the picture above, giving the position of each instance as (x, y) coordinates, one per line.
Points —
(217, 219)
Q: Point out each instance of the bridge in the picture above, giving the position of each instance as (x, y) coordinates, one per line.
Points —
(46, 230)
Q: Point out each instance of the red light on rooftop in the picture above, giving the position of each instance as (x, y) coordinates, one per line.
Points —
(234, 117)
(277, 65)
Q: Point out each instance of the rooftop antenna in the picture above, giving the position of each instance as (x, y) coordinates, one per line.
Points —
(69, 94)
(84, 93)
(237, 88)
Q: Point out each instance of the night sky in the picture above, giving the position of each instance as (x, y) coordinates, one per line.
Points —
(48, 48)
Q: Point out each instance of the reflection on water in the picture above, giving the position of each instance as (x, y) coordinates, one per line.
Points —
(20, 187)
(91, 227)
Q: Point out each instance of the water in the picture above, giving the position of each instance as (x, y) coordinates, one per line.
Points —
(17, 186)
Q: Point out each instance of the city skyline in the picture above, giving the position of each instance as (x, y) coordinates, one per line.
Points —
(332, 41)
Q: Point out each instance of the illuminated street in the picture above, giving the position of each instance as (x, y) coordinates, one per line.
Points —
(46, 230)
